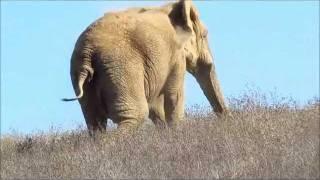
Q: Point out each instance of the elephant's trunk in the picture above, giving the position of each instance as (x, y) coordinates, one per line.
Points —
(209, 84)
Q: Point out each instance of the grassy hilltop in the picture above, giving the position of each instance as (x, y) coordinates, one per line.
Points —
(262, 139)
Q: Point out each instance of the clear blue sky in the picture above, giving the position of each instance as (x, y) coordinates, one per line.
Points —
(271, 45)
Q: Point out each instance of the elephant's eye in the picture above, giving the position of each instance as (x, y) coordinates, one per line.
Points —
(204, 34)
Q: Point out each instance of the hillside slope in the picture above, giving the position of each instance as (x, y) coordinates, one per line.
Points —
(260, 140)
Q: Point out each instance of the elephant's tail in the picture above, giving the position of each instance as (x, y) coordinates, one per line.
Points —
(85, 73)
(80, 94)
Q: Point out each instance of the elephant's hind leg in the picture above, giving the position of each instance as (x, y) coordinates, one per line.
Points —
(129, 115)
(95, 119)
(127, 103)
(93, 111)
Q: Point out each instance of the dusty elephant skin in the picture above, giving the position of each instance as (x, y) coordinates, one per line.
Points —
(130, 65)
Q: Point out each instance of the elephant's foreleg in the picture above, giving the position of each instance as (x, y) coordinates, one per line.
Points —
(174, 107)
(157, 118)
(174, 95)
(157, 114)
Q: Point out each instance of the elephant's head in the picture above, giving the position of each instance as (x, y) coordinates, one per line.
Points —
(193, 35)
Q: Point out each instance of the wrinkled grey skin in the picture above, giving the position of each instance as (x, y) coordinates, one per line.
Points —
(130, 65)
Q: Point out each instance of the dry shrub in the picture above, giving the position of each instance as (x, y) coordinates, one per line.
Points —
(262, 139)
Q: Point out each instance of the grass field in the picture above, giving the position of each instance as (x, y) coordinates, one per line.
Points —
(263, 139)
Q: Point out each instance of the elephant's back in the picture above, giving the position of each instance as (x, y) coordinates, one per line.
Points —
(120, 28)
(107, 29)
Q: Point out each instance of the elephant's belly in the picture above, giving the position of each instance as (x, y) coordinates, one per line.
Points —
(155, 76)
(152, 88)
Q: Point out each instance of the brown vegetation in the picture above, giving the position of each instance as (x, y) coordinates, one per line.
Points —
(262, 139)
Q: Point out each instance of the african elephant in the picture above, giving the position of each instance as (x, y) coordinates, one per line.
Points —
(130, 65)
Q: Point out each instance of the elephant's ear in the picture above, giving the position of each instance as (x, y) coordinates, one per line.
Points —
(182, 16)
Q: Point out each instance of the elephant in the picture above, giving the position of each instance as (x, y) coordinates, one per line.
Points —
(130, 65)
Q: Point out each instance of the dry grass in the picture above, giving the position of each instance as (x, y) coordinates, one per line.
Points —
(262, 139)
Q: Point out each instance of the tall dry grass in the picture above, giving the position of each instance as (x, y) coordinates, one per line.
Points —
(264, 138)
